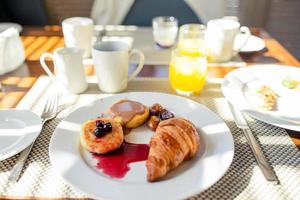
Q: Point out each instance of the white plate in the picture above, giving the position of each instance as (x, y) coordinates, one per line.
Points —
(18, 129)
(240, 88)
(4, 26)
(253, 44)
(77, 167)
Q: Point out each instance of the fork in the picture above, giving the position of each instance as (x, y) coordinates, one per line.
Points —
(50, 111)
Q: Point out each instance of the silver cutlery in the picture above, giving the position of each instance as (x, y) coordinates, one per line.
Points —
(50, 111)
(260, 158)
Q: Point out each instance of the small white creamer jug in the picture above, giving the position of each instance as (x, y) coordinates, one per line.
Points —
(12, 52)
(68, 68)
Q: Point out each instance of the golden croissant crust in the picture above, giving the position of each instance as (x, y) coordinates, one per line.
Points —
(174, 141)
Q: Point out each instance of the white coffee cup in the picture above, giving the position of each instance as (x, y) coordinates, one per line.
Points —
(78, 32)
(111, 60)
(68, 68)
(220, 37)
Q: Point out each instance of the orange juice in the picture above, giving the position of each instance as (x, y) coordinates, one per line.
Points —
(187, 71)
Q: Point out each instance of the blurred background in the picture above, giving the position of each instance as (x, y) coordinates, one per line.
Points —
(279, 17)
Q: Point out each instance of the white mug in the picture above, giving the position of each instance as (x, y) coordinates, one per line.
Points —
(111, 61)
(220, 37)
(68, 68)
(78, 32)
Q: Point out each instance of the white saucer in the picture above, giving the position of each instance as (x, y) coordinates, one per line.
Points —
(18, 129)
(253, 44)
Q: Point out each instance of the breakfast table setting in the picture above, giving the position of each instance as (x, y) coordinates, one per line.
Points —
(215, 109)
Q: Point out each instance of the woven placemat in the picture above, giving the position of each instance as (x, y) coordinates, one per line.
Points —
(243, 180)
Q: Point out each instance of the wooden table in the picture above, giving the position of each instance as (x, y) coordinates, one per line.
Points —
(38, 40)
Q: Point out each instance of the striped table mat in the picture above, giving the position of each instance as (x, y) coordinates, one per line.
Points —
(243, 180)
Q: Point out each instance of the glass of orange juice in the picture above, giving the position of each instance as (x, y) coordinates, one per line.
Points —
(191, 36)
(187, 71)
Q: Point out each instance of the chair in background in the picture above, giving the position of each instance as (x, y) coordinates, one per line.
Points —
(25, 12)
(58, 10)
(142, 12)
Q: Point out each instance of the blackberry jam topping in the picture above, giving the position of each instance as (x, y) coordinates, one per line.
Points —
(107, 127)
(102, 128)
(99, 123)
(165, 114)
(98, 133)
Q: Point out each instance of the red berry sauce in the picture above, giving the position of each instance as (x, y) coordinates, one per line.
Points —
(116, 164)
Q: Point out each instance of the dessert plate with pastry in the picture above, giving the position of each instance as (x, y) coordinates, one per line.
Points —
(270, 93)
(141, 145)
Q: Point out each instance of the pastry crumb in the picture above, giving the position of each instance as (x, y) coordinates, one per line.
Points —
(269, 97)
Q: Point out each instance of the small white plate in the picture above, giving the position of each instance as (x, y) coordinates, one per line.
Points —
(18, 129)
(77, 166)
(253, 44)
(6, 25)
(240, 88)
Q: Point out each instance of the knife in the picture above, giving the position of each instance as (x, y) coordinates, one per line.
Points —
(260, 158)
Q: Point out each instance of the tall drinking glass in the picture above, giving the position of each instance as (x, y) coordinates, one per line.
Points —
(191, 36)
(165, 30)
(187, 71)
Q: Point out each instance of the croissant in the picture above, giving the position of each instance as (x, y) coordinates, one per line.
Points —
(174, 141)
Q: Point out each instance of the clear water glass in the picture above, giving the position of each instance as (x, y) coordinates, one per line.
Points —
(165, 30)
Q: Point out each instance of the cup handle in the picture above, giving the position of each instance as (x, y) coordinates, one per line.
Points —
(44, 65)
(141, 63)
(246, 31)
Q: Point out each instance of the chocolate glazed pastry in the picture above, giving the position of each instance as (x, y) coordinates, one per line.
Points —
(130, 114)
(174, 141)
